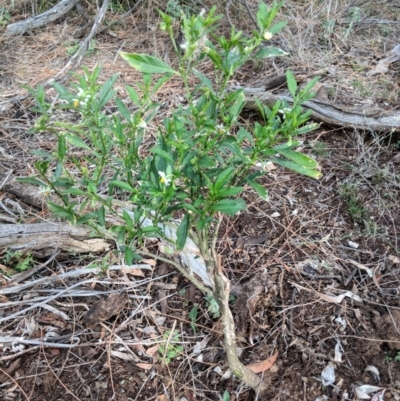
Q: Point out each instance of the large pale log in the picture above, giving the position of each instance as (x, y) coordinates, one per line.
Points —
(370, 119)
(45, 238)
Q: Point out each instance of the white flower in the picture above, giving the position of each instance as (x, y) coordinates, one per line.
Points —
(220, 128)
(164, 179)
(142, 124)
(46, 191)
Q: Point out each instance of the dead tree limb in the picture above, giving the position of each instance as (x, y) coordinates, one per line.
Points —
(20, 27)
(77, 58)
(339, 116)
(44, 238)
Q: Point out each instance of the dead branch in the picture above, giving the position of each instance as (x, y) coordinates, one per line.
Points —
(339, 116)
(20, 27)
(77, 58)
(44, 238)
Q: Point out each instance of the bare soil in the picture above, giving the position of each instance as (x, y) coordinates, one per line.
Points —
(288, 258)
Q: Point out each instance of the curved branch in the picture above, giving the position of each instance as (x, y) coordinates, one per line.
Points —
(20, 27)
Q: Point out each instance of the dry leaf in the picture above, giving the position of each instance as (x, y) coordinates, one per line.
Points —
(150, 262)
(393, 258)
(145, 366)
(264, 365)
(363, 391)
(338, 354)
(152, 350)
(374, 371)
(328, 375)
(123, 355)
(7, 269)
(133, 270)
(104, 308)
(360, 266)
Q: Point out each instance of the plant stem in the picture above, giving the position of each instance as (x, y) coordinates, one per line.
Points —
(221, 295)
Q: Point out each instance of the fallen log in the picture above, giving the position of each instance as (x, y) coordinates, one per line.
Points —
(370, 119)
(46, 238)
(20, 27)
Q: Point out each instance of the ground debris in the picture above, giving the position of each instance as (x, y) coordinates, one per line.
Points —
(105, 308)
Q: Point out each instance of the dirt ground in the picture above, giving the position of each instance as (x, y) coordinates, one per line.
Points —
(314, 270)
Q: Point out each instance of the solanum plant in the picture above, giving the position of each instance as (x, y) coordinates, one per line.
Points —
(201, 158)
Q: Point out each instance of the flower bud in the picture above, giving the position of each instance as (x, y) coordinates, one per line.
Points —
(267, 35)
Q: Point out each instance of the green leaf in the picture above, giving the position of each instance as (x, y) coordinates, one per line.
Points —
(223, 178)
(42, 166)
(60, 89)
(190, 207)
(62, 147)
(291, 82)
(151, 229)
(306, 128)
(160, 82)
(128, 220)
(229, 206)
(277, 27)
(193, 317)
(69, 127)
(261, 191)
(232, 191)
(165, 155)
(226, 396)
(42, 154)
(101, 216)
(310, 85)
(268, 51)
(262, 16)
(147, 64)
(122, 184)
(72, 191)
(76, 141)
(106, 92)
(182, 232)
(298, 168)
(31, 180)
(287, 145)
(128, 256)
(85, 218)
(123, 109)
(133, 95)
(204, 80)
(60, 211)
(298, 158)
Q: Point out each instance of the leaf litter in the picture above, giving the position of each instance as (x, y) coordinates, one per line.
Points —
(302, 316)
